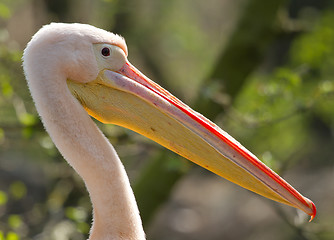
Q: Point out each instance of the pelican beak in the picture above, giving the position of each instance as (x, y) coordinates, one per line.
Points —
(128, 98)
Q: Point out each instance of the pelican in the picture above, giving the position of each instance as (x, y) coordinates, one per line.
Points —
(76, 70)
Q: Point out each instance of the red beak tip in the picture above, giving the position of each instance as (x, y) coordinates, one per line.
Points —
(314, 211)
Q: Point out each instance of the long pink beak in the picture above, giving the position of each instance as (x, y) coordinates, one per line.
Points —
(226, 145)
(129, 99)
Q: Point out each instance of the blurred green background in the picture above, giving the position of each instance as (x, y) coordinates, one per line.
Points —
(262, 70)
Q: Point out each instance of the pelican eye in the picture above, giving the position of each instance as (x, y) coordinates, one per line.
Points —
(105, 51)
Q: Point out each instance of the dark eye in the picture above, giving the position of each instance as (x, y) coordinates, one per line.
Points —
(105, 51)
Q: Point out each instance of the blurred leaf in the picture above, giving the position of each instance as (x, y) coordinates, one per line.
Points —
(12, 236)
(326, 87)
(27, 119)
(3, 199)
(18, 189)
(315, 47)
(288, 77)
(4, 11)
(16, 56)
(46, 142)
(77, 214)
(2, 135)
(83, 227)
(14, 221)
(27, 132)
(6, 89)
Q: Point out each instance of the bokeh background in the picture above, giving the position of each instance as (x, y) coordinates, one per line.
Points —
(262, 70)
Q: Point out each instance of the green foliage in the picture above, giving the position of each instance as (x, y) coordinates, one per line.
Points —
(278, 106)
(3, 198)
(9, 236)
(4, 11)
(315, 53)
(27, 119)
(18, 190)
(6, 89)
(76, 214)
(14, 221)
(316, 48)
(80, 217)
(12, 236)
(83, 227)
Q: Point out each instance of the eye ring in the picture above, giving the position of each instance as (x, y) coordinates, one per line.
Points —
(105, 52)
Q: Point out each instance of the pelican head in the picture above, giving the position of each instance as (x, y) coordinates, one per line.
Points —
(92, 64)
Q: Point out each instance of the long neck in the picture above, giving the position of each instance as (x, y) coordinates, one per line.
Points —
(115, 211)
